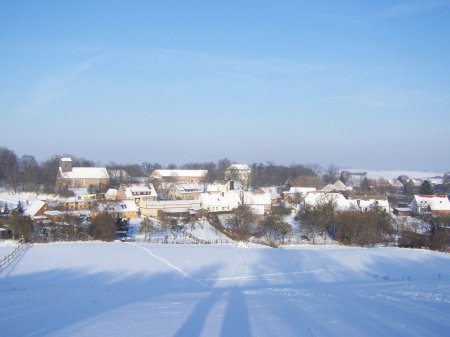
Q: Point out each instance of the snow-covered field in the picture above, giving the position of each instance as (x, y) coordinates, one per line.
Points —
(394, 174)
(130, 289)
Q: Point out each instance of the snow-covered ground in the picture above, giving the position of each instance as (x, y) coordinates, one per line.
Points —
(197, 232)
(26, 198)
(205, 232)
(131, 289)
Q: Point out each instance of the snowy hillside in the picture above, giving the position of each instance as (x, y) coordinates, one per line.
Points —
(128, 289)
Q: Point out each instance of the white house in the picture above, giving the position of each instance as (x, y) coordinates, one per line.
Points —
(293, 191)
(340, 203)
(273, 192)
(260, 203)
(314, 199)
(123, 209)
(220, 202)
(137, 193)
(184, 191)
(364, 204)
(436, 204)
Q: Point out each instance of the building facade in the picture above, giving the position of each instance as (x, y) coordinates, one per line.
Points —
(75, 177)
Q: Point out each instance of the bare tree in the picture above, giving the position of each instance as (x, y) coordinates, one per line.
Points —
(307, 181)
(274, 229)
(29, 172)
(9, 168)
(148, 228)
(242, 221)
(331, 174)
(315, 168)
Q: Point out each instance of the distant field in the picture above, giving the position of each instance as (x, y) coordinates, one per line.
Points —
(393, 174)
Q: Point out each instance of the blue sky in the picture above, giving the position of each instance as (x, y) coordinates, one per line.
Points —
(354, 83)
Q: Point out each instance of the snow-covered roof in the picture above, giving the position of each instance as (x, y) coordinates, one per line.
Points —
(240, 167)
(383, 203)
(215, 188)
(224, 187)
(403, 209)
(435, 202)
(395, 183)
(79, 198)
(320, 197)
(251, 198)
(145, 190)
(340, 186)
(111, 194)
(189, 188)
(301, 190)
(180, 173)
(272, 190)
(436, 181)
(54, 213)
(85, 173)
(329, 188)
(231, 199)
(79, 191)
(34, 207)
(337, 186)
(416, 182)
(119, 206)
(187, 203)
(341, 203)
(359, 204)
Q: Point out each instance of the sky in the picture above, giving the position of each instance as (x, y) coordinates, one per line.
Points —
(355, 83)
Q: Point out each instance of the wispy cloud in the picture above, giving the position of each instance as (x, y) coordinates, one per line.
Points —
(223, 65)
(51, 89)
(410, 8)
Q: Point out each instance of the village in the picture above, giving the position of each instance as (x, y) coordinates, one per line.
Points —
(172, 200)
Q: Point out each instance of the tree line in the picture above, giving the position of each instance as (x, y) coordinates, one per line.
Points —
(25, 173)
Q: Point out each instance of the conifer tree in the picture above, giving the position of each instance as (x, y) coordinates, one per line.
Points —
(19, 208)
(6, 210)
(426, 188)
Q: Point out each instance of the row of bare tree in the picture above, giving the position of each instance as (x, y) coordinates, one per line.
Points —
(27, 174)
